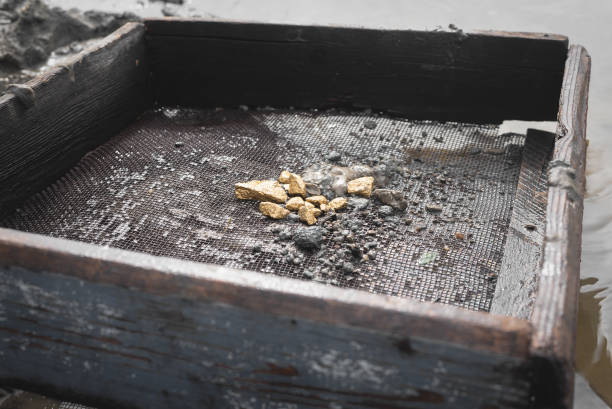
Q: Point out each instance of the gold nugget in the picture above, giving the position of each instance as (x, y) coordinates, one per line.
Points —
(317, 200)
(294, 203)
(272, 210)
(338, 203)
(362, 186)
(263, 190)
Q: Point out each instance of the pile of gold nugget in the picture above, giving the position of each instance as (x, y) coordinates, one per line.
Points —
(290, 190)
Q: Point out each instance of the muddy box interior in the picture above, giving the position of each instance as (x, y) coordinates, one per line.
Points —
(128, 263)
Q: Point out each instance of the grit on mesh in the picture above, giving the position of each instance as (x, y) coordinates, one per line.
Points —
(144, 191)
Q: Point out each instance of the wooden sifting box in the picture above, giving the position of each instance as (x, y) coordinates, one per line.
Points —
(130, 276)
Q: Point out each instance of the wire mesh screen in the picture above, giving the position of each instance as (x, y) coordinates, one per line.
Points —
(165, 186)
(17, 399)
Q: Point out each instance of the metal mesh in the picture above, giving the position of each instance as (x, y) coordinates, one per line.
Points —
(17, 399)
(164, 186)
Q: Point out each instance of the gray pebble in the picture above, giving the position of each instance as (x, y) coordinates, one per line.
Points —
(348, 268)
(284, 235)
(308, 237)
(393, 198)
(385, 211)
(358, 203)
(371, 244)
(433, 208)
(369, 124)
(356, 252)
(333, 156)
(292, 217)
(312, 189)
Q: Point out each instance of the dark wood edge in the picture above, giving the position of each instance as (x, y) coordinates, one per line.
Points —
(268, 294)
(523, 34)
(68, 66)
(50, 122)
(10, 97)
(554, 314)
(157, 25)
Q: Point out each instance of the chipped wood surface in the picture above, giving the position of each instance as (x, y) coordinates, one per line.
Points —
(49, 123)
(554, 315)
(265, 293)
(473, 77)
(121, 345)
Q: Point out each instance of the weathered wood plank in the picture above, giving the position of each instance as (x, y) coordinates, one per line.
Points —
(474, 77)
(554, 315)
(121, 346)
(264, 293)
(49, 123)
(517, 281)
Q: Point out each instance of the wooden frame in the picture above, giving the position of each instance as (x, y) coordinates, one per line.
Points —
(134, 330)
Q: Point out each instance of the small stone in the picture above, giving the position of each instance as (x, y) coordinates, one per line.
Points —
(460, 235)
(297, 185)
(433, 208)
(317, 212)
(306, 215)
(494, 151)
(385, 211)
(308, 238)
(338, 203)
(371, 244)
(309, 274)
(419, 227)
(312, 189)
(427, 257)
(294, 203)
(263, 190)
(317, 200)
(178, 144)
(393, 198)
(285, 177)
(324, 207)
(309, 205)
(292, 217)
(333, 156)
(369, 124)
(407, 221)
(361, 186)
(272, 210)
(347, 268)
(256, 248)
(438, 139)
(371, 255)
(284, 235)
(358, 203)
